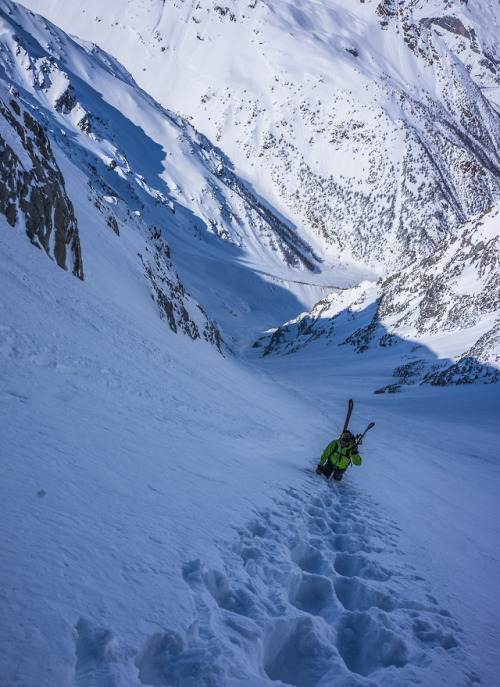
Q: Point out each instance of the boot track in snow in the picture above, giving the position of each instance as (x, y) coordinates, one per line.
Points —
(307, 598)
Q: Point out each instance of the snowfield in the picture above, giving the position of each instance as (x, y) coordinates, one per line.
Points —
(162, 522)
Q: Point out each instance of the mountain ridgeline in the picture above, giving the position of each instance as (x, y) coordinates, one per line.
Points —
(373, 124)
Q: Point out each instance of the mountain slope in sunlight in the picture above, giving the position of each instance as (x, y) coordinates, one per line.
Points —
(373, 127)
(446, 308)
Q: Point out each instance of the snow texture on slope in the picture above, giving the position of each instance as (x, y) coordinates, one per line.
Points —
(159, 527)
(306, 593)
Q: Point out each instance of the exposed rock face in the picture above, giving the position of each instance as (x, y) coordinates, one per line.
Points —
(457, 285)
(451, 24)
(32, 186)
(174, 303)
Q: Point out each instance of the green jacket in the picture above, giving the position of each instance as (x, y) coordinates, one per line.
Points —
(340, 457)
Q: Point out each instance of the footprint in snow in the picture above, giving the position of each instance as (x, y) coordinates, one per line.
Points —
(97, 663)
(312, 593)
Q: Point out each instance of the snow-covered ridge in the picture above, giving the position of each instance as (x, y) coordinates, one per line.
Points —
(447, 303)
(133, 147)
(144, 169)
(372, 126)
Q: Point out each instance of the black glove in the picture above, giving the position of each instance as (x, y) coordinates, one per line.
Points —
(319, 470)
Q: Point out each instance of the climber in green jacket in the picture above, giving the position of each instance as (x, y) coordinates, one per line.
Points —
(338, 455)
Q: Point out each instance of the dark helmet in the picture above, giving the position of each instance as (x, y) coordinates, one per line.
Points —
(347, 437)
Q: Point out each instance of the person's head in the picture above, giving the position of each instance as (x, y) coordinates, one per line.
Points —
(345, 439)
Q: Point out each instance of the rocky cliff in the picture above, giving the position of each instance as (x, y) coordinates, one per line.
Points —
(32, 188)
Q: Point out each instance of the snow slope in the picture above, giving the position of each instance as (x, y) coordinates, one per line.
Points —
(162, 522)
(148, 169)
(134, 149)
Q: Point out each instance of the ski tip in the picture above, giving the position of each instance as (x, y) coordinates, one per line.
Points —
(351, 402)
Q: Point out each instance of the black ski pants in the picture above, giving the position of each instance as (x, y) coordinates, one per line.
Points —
(328, 468)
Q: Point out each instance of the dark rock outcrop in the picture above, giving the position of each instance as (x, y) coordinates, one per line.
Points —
(175, 304)
(32, 188)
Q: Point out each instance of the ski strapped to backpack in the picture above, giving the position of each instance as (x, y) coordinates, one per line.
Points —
(359, 441)
(348, 416)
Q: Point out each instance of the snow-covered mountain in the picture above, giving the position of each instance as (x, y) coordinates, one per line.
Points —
(173, 183)
(204, 175)
(142, 168)
(372, 126)
(445, 305)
